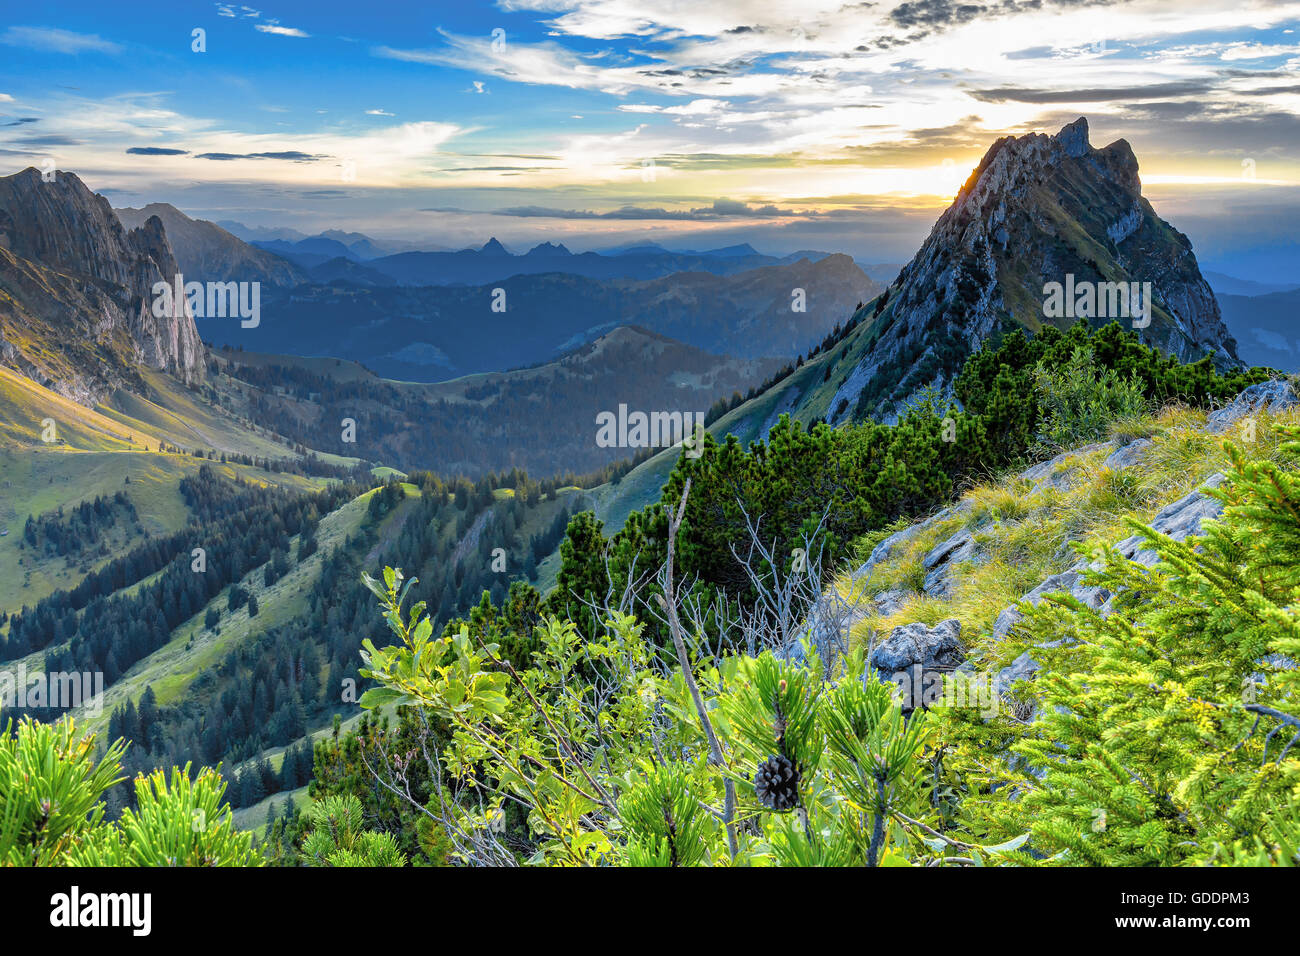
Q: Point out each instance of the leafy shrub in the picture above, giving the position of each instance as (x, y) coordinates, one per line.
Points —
(617, 768)
(1080, 400)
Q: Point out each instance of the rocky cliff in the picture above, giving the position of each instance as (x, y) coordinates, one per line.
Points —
(1038, 209)
(76, 291)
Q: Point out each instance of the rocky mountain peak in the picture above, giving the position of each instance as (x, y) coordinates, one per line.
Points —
(206, 252)
(75, 275)
(1073, 138)
(1038, 209)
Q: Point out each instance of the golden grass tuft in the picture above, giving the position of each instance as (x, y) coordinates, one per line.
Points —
(1026, 536)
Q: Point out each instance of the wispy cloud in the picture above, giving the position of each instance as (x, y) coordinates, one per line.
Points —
(274, 27)
(1153, 91)
(293, 156)
(720, 210)
(56, 40)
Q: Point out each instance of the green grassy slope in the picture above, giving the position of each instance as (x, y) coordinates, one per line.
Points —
(1023, 533)
(172, 668)
(105, 450)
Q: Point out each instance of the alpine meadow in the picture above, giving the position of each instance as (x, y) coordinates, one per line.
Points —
(578, 433)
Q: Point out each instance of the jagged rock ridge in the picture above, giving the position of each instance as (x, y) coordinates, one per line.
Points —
(1036, 209)
(76, 291)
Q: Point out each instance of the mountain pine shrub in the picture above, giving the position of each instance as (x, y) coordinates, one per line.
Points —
(337, 836)
(1079, 401)
(52, 809)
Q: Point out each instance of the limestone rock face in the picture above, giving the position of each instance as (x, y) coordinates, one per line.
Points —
(76, 311)
(1036, 209)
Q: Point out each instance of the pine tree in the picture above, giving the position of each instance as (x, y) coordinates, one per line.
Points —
(1165, 728)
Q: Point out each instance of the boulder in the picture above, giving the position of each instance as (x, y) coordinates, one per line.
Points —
(1272, 396)
(1067, 581)
(937, 647)
(1127, 455)
(916, 657)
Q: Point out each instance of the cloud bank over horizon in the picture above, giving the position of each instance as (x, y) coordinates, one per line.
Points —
(810, 124)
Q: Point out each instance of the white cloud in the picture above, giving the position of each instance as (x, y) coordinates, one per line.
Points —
(54, 40)
(100, 130)
(274, 27)
(822, 77)
(743, 98)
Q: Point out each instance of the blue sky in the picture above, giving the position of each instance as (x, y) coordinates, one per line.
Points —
(792, 125)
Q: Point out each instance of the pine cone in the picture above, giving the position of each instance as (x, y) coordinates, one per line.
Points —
(777, 784)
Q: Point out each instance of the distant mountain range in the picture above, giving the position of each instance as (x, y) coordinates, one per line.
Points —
(357, 244)
(330, 259)
(1266, 327)
(77, 320)
(433, 333)
(1231, 285)
(542, 418)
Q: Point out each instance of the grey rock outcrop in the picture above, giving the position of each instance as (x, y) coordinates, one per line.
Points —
(1273, 396)
(931, 647)
(1023, 667)
(1126, 456)
(75, 276)
(1057, 472)
(889, 602)
(891, 546)
(916, 655)
(944, 557)
(1178, 520)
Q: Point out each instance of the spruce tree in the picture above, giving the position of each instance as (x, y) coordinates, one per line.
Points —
(1165, 728)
